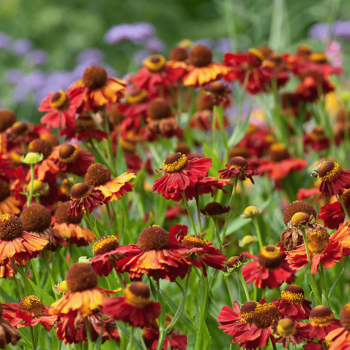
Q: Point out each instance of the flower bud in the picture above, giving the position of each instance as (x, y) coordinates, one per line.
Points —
(32, 158)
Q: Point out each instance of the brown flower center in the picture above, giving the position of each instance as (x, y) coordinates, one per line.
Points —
(285, 327)
(137, 96)
(300, 219)
(265, 50)
(178, 54)
(294, 294)
(247, 311)
(216, 88)
(193, 242)
(68, 153)
(153, 238)
(317, 134)
(318, 240)
(128, 146)
(81, 276)
(257, 54)
(158, 109)
(321, 315)
(174, 163)
(105, 244)
(214, 208)
(278, 152)
(238, 163)
(4, 190)
(137, 294)
(62, 217)
(328, 171)
(200, 56)
(97, 175)
(11, 227)
(58, 100)
(86, 120)
(94, 77)
(303, 50)
(32, 304)
(239, 151)
(269, 257)
(7, 119)
(298, 207)
(19, 128)
(35, 218)
(318, 57)
(345, 317)
(40, 146)
(80, 190)
(51, 139)
(182, 148)
(205, 102)
(155, 63)
(265, 315)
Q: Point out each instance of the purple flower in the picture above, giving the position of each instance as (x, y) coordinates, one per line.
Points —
(34, 80)
(319, 30)
(135, 32)
(90, 57)
(20, 93)
(37, 57)
(5, 40)
(224, 45)
(140, 55)
(155, 45)
(13, 76)
(21, 46)
(341, 28)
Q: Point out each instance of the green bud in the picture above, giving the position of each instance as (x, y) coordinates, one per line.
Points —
(32, 158)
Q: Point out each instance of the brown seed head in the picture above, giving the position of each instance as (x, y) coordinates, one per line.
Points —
(105, 244)
(35, 218)
(178, 54)
(81, 276)
(269, 257)
(94, 77)
(265, 315)
(40, 146)
(200, 56)
(298, 207)
(158, 109)
(97, 175)
(62, 217)
(79, 190)
(153, 238)
(11, 227)
(7, 119)
(247, 311)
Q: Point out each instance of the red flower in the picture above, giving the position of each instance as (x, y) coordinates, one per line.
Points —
(309, 193)
(237, 166)
(313, 346)
(290, 332)
(84, 197)
(203, 253)
(157, 254)
(311, 88)
(269, 269)
(107, 253)
(180, 174)
(157, 75)
(323, 250)
(316, 139)
(61, 107)
(134, 307)
(332, 215)
(334, 180)
(72, 328)
(29, 312)
(293, 303)
(322, 322)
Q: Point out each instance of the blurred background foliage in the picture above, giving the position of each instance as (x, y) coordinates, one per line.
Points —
(65, 28)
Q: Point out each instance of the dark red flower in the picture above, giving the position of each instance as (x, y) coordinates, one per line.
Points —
(312, 88)
(269, 269)
(322, 322)
(134, 307)
(61, 107)
(316, 139)
(238, 166)
(332, 214)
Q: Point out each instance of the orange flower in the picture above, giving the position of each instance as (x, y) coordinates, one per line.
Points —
(84, 296)
(68, 227)
(8, 203)
(15, 243)
(99, 176)
(202, 69)
(99, 89)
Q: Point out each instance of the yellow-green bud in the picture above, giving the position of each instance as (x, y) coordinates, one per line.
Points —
(32, 158)
(251, 212)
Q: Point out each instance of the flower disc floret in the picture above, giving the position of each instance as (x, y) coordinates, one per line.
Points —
(11, 227)
(321, 315)
(80, 277)
(97, 175)
(153, 238)
(345, 317)
(294, 294)
(58, 100)
(80, 190)
(298, 207)
(40, 146)
(158, 109)
(4, 190)
(265, 315)
(174, 163)
(7, 119)
(32, 304)
(62, 217)
(68, 153)
(94, 77)
(278, 152)
(200, 56)
(247, 311)
(137, 294)
(35, 218)
(270, 257)
(285, 327)
(178, 54)
(318, 240)
(193, 241)
(238, 162)
(105, 244)
(155, 63)
(328, 170)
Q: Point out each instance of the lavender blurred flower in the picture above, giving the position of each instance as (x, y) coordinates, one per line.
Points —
(155, 45)
(37, 57)
(5, 41)
(140, 55)
(135, 32)
(223, 45)
(319, 30)
(90, 56)
(20, 93)
(34, 80)
(341, 29)
(13, 76)
(21, 46)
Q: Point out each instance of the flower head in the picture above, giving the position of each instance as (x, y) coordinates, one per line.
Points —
(214, 210)
(7, 119)
(238, 166)
(322, 322)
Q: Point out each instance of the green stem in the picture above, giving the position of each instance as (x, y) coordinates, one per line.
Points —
(323, 284)
(344, 207)
(240, 275)
(87, 214)
(49, 270)
(258, 232)
(32, 337)
(19, 287)
(108, 209)
(131, 340)
(109, 144)
(88, 332)
(198, 212)
(29, 201)
(227, 282)
(121, 280)
(313, 279)
(217, 231)
(189, 212)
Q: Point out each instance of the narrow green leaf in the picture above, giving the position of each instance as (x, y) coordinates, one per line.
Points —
(239, 131)
(335, 283)
(46, 298)
(203, 341)
(217, 163)
(127, 334)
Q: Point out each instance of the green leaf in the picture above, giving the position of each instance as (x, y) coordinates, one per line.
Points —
(335, 283)
(136, 343)
(184, 318)
(203, 336)
(99, 340)
(46, 298)
(239, 131)
(217, 163)
(120, 164)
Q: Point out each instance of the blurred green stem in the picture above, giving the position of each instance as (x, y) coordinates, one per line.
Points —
(32, 174)
(131, 340)
(323, 284)
(343, 205)
(258, 232)
(198, 212)
(189, 212)
(240, 275)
